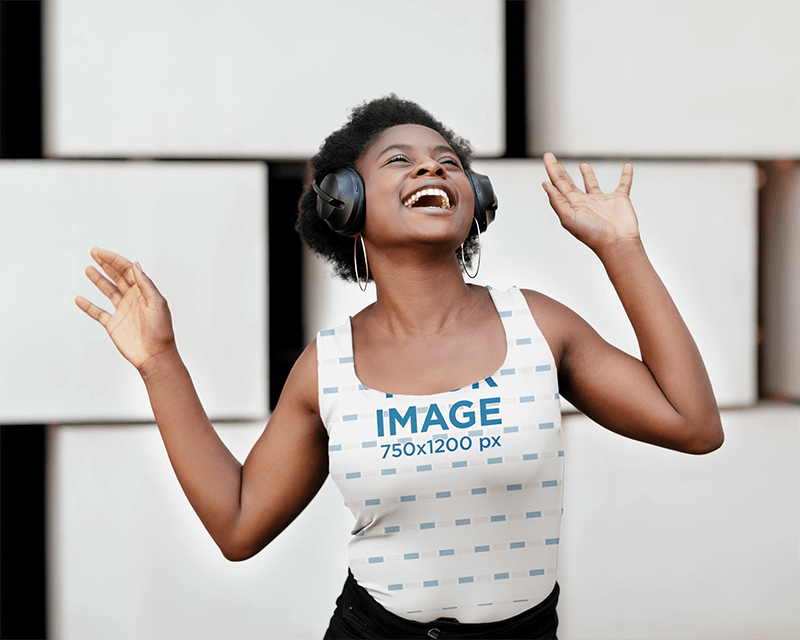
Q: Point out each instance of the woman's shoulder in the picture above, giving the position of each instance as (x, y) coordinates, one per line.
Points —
(301, 385)
(545, 306)
(538, 301)
(557, 322)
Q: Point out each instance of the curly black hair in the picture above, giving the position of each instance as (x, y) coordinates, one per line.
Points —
(341, 149)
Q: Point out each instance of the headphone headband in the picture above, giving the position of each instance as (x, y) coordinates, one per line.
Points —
(326, 198)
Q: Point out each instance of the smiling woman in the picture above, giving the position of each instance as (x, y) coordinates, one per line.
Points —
(344, 147)
(436, 410)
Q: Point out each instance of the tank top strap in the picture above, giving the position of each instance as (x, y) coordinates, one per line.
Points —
(522, 333)
(335, 366)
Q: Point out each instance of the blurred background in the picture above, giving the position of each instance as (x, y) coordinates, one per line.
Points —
(175, 132)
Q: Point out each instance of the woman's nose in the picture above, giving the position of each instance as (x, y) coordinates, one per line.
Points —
(428, 166)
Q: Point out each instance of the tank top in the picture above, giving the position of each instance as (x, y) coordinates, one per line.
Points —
(457, 496)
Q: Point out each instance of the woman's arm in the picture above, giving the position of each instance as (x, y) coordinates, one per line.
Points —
(243, 507)
(666, 398)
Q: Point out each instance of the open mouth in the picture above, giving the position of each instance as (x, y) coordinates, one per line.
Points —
(431, 197)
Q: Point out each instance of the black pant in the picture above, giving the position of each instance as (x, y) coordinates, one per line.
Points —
(359, 616)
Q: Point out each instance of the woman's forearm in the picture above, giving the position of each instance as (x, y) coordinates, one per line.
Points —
(207, 471)
(666, 345)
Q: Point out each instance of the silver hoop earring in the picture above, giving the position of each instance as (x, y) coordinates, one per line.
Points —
(461, 257)
(355, 262)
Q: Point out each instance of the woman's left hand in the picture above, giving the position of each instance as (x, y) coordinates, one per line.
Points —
(599, 220)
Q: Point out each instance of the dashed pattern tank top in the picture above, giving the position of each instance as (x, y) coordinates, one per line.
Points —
(457, 496)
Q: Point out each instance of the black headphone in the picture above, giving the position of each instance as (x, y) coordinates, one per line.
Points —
(342, 203)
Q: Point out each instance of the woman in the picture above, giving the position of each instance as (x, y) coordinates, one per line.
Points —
(435, 409)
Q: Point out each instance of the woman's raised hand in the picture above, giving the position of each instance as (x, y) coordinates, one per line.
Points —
(141, 326)
(597, 219)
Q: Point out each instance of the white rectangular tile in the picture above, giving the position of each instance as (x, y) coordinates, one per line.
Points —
(263, 78)
(198, 230)
(129, 558)
(662, 545)
(664, 78)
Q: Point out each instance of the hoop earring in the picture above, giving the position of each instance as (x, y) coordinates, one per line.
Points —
(461, 257)
(355, 262)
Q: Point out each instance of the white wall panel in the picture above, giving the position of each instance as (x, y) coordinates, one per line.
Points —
(198, 230)
(698, 223)
(262, 78)
(665, 78)
(329, 300)
(130, 559)
(655, 544)
(658, 545)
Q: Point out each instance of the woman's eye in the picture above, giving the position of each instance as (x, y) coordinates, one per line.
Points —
(448, 161)
(397, 158)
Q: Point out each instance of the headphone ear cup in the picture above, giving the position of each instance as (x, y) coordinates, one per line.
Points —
(341, 201)
(485, 199)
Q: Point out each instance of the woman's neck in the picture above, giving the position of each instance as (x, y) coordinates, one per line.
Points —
(419, 298)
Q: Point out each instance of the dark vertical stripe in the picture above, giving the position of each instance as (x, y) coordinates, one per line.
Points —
(516, 96)
(23, 553)
(285, 273)
(23, 565)
(21, 80)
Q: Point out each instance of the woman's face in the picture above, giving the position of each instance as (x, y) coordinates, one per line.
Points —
(416, 189)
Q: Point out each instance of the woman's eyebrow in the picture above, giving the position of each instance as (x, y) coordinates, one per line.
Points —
(401, 147)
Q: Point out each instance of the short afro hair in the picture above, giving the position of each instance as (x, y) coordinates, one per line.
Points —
(341, 150)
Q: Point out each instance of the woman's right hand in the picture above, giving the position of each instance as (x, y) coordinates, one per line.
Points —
(141, 326)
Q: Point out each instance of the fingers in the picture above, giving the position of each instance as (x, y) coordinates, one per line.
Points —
(115, 267)
(589, 179)
(558, 175)
(93, 311)
(145, 284)
(107, 288)
(129, 277)
(563, 182)
(114, 260)
(626, 180)
(125, 274)
(557, 200)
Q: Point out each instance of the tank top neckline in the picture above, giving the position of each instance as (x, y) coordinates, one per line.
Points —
(473, 385)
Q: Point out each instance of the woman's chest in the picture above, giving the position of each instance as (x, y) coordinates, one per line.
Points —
(501, 431)
(430, 365)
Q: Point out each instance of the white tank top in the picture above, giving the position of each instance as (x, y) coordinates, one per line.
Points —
(457, 496)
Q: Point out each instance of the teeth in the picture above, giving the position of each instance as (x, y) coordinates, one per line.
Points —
(428, 192)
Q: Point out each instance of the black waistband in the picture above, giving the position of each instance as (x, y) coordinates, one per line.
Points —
(537, 622)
